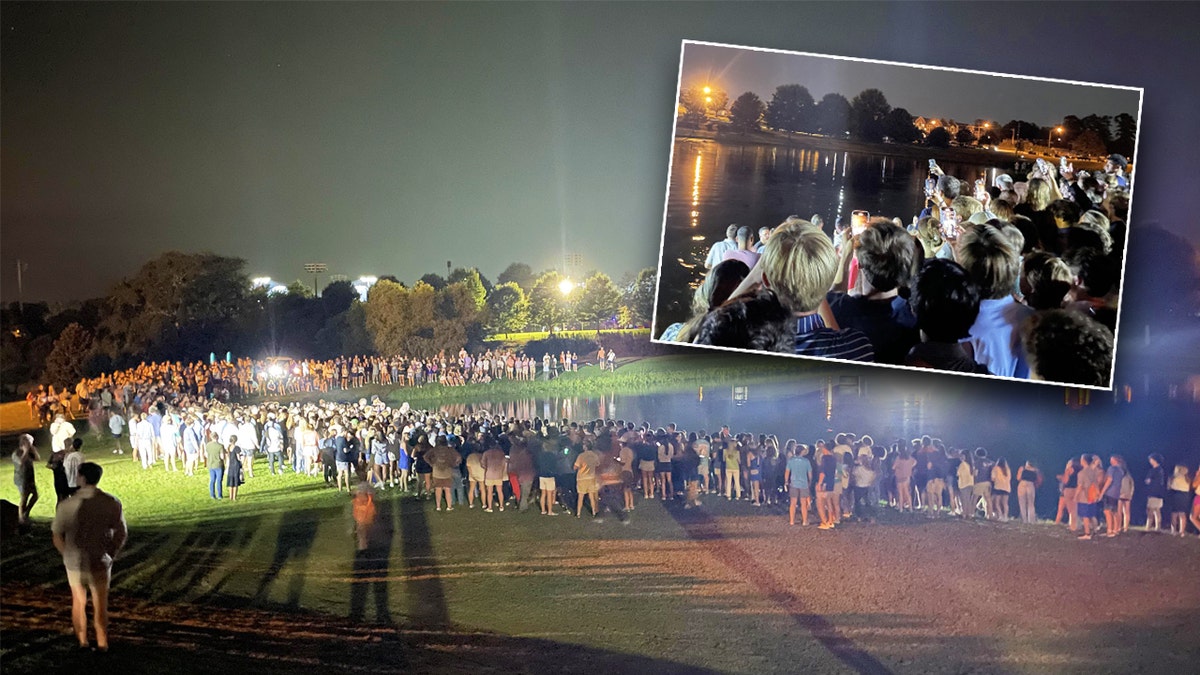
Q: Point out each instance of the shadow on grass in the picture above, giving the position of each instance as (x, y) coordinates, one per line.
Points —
(700, 526)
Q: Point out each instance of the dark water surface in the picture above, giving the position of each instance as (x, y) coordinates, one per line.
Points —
(716, 183)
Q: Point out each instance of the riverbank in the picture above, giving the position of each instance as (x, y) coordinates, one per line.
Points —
(919, 152)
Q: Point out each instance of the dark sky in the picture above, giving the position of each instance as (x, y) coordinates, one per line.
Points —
(389, 138)
(922, 91)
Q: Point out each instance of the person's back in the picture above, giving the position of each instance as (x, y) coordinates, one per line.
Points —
(495, 464)
(991, 262)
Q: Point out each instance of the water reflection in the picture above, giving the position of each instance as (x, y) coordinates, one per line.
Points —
(714, 184)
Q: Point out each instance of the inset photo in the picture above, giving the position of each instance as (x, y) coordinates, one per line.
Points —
(894, 214)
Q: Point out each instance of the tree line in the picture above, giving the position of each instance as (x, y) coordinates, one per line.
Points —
(869, 117)
(186, 306)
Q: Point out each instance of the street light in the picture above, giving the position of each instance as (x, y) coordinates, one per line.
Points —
(707, 91)
(566, 286)
(1050, 133)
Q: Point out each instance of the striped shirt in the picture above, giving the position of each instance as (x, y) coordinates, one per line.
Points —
(813, 338)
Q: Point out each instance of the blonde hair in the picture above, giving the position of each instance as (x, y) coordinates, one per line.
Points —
(799, 264)
(1045, 280)
(1038, 195)
(966, 206)
(929, 233)
(1095, 221)
(989, 258)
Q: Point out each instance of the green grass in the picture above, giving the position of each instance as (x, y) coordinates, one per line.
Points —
(640, 375)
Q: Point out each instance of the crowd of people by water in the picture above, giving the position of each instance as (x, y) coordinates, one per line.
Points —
(494, 461)
(1015, 279)
(233, 380)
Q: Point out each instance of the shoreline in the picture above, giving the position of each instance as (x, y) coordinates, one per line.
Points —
(958, 155)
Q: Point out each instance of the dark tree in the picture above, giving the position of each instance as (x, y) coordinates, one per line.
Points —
(868, 111)
(1101, 124)
(938, 138)
(518, 273)
(791, 109)
(964, 136)
(1089, 144)
(337, 296)
(67, 360)
(639, 297)
(434, 280)
(832, 115)
(747, 112)
(1126, 140)
(900, 128)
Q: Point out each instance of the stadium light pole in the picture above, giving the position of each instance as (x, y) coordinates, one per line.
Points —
(315, 269)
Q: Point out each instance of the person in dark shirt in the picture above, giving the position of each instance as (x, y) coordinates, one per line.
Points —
(887, 256)
(1156, 491)
(827, 499)
(946, 304)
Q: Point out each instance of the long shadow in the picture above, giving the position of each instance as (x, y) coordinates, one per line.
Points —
(427, 599)
(370, 568)
(297, 531)
(702, 527)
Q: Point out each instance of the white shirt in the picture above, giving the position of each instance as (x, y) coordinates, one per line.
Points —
(247, 435)
(996, 337)
(61, 432)
(717, 253)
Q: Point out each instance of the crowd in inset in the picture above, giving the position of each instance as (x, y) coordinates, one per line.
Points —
(1019, 279)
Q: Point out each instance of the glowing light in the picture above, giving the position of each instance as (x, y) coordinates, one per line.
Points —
(566, 286)
(275, 370)
(260, 282)
(707, 90)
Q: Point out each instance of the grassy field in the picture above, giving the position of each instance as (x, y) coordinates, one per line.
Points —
(273, 583)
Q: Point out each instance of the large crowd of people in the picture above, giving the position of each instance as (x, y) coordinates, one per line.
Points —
(1016, 279)
(495, 461)
(233, 380)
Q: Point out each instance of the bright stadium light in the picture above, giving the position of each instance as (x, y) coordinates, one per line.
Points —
(368, 280)
(275, 370)
(566, 286)
(260, 282)
(277, 289)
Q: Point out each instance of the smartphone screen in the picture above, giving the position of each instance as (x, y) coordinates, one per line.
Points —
(980, 190)
(858, 222)
(949, 222)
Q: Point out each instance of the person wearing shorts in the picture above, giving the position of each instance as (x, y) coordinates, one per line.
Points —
(798, 477)
(88, 530)
(495, 472)
(585, 479)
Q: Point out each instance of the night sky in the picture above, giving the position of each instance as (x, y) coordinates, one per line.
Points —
(943, 94)
(389, 138)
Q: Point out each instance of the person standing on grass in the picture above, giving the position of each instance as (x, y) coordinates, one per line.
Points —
(585, 479)
(1111, 493)
(363, 510)
(608, 473)
(233, 468)
(612, 361)
(142, 433)
(1088, 493)
(71, 464)
(23, 476)
(55, 464)
(1028, 479)
(116, 427)
(665, 451)
(342, 456)
(733, 469)
(442, 459)
(1178, 495)
(828, 506)
(1156, 491)
(521, 465)
(61, 433)
(272, 441)
(89, 530)
(1067, 484)
(798, 477)
(547, 467)
(214, 460)
(495, 471)
(169, 440)
(1125, 498)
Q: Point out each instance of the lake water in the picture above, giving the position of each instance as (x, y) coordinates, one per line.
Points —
(715, 183)
(1017, 422)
